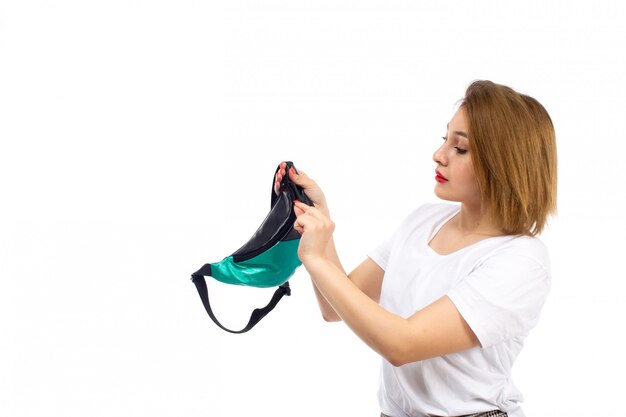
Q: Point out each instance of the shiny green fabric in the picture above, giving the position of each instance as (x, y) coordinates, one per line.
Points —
(269, 269)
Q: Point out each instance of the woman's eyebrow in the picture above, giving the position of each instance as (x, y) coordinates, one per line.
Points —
(457, 132)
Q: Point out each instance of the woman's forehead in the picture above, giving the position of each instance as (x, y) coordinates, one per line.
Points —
(457, 125)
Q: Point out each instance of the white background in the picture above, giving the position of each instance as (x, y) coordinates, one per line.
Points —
(139, 139)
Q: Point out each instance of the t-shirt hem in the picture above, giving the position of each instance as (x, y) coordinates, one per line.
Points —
(377, 260)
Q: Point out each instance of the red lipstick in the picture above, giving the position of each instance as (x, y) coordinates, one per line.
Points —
(439, 177)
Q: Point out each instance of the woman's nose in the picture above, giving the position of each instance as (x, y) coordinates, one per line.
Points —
(440, 156)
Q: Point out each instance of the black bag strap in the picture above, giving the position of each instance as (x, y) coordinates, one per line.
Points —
(257, 314)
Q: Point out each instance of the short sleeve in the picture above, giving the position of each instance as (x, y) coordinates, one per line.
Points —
(503, 296)
(421, 217)
(380, 255)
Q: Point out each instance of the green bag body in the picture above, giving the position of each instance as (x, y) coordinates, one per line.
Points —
(268, 259)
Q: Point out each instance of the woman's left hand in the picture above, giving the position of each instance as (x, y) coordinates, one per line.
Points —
(316, 230)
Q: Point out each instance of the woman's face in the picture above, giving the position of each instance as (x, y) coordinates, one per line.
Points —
(455, 173)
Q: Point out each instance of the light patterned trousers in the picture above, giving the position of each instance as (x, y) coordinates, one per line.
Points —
(494, 413)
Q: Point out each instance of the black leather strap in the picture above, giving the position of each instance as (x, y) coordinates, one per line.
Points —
(257, 314)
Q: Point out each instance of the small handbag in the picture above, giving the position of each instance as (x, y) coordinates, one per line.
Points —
(268, 259)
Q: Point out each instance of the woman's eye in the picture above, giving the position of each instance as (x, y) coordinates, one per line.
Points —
(460, 151)
(444, 138)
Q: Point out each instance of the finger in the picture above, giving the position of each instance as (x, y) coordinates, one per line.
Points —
(320, 218)
(304, 222)
(277, 185)
(293, 175)
(312, 210)
(299, 211)
(300, 205)
(299, 224)
(279, 177)
(301, 178)
(280, 173)
(311, 222)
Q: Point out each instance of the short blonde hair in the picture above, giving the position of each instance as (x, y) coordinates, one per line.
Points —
(513, 148)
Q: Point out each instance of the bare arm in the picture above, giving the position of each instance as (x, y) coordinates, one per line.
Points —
(436, 330)
(367, 277)
(328, 313)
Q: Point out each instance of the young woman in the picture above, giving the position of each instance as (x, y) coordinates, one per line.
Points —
(448, 300)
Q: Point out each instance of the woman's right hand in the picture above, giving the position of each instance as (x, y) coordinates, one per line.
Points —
(311, 189)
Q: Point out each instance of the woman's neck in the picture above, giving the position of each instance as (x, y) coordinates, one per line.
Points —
(476, 221)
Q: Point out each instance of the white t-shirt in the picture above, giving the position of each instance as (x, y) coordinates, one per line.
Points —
(499, 286)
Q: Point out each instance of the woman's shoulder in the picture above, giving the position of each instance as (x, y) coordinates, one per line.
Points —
(529, 247)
